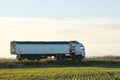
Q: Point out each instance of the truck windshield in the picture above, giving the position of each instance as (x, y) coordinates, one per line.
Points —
(82, 48)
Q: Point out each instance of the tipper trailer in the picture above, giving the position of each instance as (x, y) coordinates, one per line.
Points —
(43, 49)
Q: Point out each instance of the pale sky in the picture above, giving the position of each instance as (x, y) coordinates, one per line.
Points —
(95, 23)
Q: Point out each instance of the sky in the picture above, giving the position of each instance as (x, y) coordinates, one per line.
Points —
(95, 23)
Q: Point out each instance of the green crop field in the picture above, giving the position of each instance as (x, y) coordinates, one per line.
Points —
(61, 73)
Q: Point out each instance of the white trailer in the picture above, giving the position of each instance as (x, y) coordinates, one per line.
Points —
(43, 49)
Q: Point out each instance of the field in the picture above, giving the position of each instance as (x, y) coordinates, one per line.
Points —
(61, 73)
(60, 69)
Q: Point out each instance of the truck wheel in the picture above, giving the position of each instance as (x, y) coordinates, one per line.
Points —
(79, 57)
(73, 57)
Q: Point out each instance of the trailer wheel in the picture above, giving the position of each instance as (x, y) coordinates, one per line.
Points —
(38, 57)
(58, 57)
(19, 57)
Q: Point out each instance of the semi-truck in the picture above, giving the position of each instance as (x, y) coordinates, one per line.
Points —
(44, 49)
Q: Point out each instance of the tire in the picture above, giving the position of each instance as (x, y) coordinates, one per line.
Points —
(80, 57)
(17, 57)
(73, 57)
(63, 57)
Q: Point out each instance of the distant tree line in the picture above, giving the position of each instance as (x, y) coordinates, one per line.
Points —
(109, 57)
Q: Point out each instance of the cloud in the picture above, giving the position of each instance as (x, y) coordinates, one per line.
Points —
(93, 32)
(112, 26)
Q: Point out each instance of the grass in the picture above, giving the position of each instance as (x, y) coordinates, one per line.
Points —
(64, 73)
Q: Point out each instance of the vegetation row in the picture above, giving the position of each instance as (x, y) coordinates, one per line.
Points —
(9, 63)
